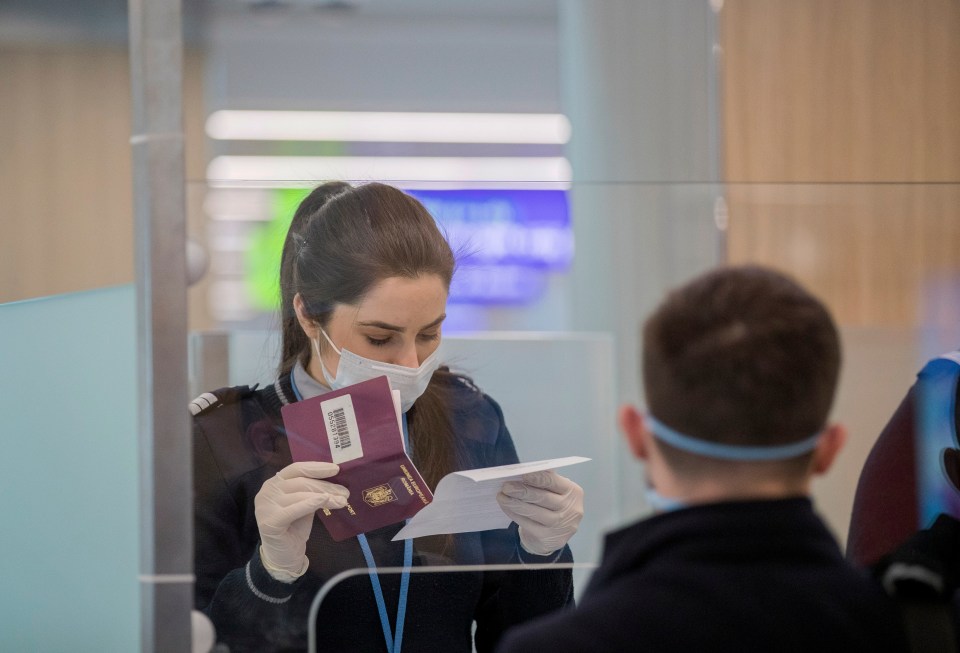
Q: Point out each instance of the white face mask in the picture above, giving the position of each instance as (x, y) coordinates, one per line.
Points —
(410, 381)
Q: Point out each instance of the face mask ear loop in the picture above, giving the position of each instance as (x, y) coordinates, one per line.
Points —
(330, 378)
(328, 340)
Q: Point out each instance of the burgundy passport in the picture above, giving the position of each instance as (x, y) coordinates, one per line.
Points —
(357, 428)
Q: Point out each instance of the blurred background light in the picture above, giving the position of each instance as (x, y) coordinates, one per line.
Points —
(389, 127)
(271, 171)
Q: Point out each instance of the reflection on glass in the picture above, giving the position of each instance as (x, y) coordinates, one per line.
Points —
(70, 472)
(338, 621)
(364, 280)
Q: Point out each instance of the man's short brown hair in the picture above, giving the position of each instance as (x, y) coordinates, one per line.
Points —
(741, 355)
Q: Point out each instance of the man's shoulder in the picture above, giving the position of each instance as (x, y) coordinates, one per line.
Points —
(610, 619)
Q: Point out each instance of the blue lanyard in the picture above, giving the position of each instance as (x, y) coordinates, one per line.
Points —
(393, 641)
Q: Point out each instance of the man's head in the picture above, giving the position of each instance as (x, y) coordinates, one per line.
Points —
(740, 356)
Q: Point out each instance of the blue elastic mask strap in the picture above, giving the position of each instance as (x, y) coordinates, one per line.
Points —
(660, 503)
(700, 447)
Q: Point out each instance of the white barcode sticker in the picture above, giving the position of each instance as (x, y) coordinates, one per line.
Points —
(342, 429)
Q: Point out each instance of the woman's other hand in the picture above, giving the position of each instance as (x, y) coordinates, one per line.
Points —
(547, 507)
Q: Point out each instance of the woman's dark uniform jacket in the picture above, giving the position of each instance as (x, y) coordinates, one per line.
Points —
(239, 442)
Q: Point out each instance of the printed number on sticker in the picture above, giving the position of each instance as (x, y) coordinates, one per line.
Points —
(342, 431)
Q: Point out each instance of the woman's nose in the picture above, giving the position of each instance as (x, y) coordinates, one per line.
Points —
(408, 357)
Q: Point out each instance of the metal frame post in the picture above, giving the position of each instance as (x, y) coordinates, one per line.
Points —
(166, 527)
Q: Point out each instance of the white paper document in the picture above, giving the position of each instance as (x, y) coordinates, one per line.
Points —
(466, 501)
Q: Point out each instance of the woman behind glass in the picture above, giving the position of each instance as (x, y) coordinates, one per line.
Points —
(364, 277)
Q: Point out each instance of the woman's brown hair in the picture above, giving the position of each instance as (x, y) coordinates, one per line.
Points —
(295, 345)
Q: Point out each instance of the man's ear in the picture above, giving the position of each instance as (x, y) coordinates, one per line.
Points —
(308, 325)
(830, 444)
(634, 430)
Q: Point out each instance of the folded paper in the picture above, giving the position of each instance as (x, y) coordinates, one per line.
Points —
(466, 501)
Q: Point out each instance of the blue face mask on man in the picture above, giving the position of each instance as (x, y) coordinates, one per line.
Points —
(720, 451)
(410, 381)
(660, 503)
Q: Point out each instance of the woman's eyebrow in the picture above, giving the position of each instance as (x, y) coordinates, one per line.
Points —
(382, 325)
(436, 322)
(393, 327)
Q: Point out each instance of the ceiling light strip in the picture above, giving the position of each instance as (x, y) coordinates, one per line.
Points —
(389, 127)
(272, 169)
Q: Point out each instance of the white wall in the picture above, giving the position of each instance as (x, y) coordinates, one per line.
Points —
(431, 61)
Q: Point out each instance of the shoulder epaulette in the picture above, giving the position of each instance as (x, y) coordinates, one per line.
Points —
(210, 400)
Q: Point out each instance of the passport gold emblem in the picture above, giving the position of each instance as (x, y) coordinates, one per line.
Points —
(379, 495)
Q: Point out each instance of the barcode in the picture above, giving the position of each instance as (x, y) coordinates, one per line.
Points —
(339, 431)
(343, 435)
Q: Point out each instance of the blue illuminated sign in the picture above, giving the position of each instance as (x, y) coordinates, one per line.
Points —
(507, 241)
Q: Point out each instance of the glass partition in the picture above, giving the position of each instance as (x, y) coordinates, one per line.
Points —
(645, 176)
(572, 414)
(885, 258)
(546, 420)
(69, 505)
(882, 256)
(462, 612)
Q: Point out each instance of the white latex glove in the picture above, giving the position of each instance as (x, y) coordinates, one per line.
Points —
(284, 508)
(547, 507)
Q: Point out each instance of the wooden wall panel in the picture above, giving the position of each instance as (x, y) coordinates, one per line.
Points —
(841, 90)
(66, 216)
(841, 139)
(841, 123)
(879, 255)
(64, 170)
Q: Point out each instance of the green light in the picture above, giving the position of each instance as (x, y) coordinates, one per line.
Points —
(266, 246)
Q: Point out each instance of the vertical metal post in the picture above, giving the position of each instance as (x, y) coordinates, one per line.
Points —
(166, 564)
(715, 88)
(715, 116)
